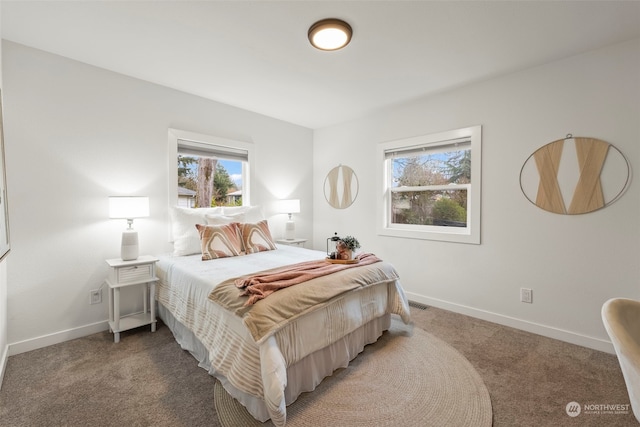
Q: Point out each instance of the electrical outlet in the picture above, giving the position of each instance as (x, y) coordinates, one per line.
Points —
(95, 296)
(526, 295)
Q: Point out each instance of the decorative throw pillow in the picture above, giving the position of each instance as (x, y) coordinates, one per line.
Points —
(183, 233)
(256, 237)
(220, 241)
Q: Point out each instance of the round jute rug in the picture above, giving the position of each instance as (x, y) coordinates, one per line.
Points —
(407, 378)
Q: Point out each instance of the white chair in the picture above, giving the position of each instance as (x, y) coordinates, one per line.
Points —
(621, 318)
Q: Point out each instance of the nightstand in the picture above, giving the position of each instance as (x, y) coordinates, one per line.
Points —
(292, 242)
(141, 271)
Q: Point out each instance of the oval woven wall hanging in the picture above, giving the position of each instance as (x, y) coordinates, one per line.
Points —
(341, 187)
(574, 176)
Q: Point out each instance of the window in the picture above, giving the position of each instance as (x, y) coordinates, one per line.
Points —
(431, 186)
(207, 171)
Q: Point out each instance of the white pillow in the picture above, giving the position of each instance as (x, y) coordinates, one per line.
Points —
(224, 219)
(229, 210)
(252, 214)
(186, 240)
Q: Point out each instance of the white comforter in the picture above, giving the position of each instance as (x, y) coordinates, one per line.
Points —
(259, 370)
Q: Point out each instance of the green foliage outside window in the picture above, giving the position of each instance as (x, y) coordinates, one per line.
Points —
(448, 210)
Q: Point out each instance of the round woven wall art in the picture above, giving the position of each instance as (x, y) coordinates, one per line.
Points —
(341, 187)
(574, 176)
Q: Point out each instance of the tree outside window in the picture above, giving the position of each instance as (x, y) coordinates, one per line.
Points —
(431, 186)
(430, 189)
(209, 179)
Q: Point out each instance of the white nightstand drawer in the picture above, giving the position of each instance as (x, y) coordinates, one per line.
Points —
(140, 270)
(134, 273)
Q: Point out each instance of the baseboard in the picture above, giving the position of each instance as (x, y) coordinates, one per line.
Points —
(3, 363)
(56, 338)
(535, 328)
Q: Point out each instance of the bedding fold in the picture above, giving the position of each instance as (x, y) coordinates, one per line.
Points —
(261, 285)
(267, 316)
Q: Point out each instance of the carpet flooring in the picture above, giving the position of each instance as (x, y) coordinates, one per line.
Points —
(147, 380)
(436, 386)
(531, 378)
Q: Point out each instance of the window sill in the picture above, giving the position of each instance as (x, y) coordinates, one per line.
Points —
(442, 234)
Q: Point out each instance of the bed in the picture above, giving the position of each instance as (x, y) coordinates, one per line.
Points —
(267, 367)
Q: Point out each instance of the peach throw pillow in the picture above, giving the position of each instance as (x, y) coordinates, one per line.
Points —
(256, 237)
(220, 241)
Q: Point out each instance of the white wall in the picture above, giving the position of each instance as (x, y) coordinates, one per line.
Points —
(76, 134)
(3, 281)
(572, 263)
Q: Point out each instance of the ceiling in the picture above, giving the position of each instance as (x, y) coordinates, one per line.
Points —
(255, 54)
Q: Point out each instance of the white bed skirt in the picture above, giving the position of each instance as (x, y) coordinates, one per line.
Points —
(303, 376)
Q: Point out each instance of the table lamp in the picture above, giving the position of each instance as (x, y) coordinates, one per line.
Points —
(289, 207)
(129, 207)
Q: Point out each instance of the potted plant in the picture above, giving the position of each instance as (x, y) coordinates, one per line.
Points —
(346, 247)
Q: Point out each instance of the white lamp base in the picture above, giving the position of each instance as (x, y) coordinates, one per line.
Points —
(129, 248)
(290, 230)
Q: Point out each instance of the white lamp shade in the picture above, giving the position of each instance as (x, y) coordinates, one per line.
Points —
(289, 206)
(128, 207)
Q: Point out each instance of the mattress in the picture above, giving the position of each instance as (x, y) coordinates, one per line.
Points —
(267, 376)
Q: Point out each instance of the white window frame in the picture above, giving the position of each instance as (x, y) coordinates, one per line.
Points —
(217, 144)
(431, 142)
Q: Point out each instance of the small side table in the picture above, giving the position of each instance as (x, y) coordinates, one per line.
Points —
(292, 242)
(141, 271)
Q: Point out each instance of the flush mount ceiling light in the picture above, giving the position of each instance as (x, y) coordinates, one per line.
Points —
(330, 34)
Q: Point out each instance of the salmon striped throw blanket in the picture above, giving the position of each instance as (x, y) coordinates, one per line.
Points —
(261, 285)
